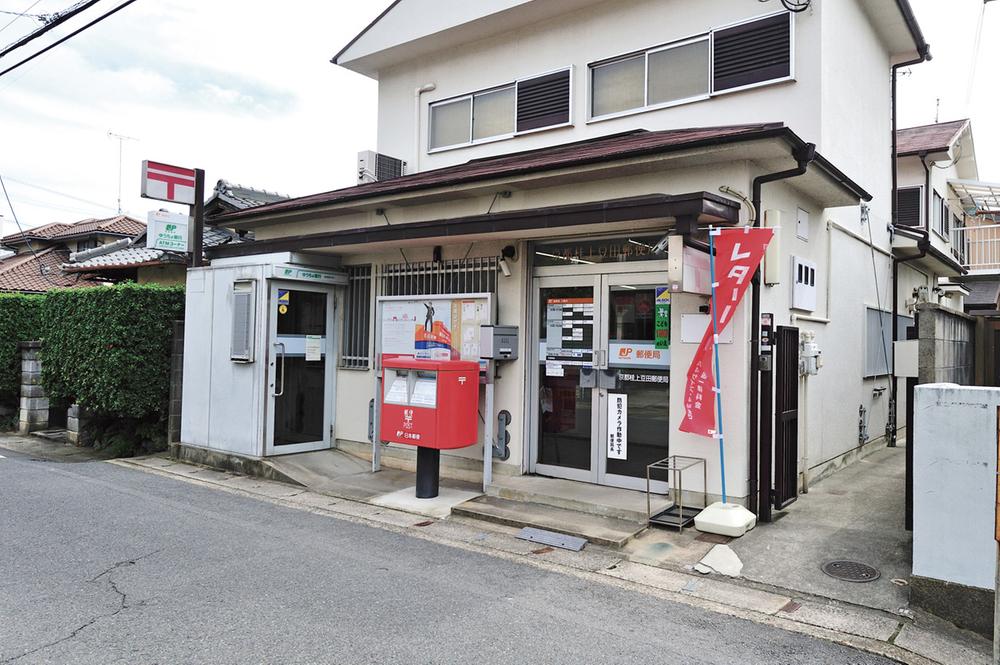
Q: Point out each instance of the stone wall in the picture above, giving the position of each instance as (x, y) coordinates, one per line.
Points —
(947, 346)
(33, 414)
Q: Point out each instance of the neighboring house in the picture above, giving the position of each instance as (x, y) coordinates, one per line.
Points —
(131, 259)
(549, 146)
(39, 252)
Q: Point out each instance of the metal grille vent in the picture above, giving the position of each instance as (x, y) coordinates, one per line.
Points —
(387, 168)
(543, 101)
(243, 322)
(753, 52)
(427, 278)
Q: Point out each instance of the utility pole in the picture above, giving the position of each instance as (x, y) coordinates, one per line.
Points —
(121, 142)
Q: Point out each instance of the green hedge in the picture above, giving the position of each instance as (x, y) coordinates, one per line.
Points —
(108, 349)
(19, 321)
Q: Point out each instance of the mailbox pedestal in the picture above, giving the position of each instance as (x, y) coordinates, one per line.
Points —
(433, 405)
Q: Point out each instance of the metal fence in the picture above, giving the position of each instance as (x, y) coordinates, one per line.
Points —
(977, 246)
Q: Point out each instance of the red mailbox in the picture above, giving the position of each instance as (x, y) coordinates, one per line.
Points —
(431, 404)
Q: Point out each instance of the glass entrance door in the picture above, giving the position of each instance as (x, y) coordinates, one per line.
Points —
(300, 368)
(602, 377)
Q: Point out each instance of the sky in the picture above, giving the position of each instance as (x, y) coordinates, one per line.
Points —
(245, 90)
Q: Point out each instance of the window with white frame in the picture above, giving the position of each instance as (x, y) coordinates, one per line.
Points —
(526, 105)
(751, 53)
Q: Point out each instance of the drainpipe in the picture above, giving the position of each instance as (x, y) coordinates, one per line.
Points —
(923, 54)
(761, 506)
(427, 87)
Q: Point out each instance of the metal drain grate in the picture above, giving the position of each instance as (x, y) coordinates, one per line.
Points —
(851, 571)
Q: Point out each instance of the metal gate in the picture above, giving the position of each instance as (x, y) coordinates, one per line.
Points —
(786, 417)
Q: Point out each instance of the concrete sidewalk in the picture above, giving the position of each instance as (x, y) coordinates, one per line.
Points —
(914, 639)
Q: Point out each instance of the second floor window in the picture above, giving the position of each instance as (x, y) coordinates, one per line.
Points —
(526, 105)
(723, 60)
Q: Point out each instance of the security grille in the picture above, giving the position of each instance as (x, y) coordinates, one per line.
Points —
(357, 318)
(753, 52)
(428, 278)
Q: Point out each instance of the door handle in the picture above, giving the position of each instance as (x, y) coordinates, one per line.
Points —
(282, 391)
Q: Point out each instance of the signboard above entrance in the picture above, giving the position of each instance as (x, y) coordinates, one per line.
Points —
(604, 250)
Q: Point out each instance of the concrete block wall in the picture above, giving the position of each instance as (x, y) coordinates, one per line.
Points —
(77, 426)
(33, 413)
(176, 384)
(946, 352)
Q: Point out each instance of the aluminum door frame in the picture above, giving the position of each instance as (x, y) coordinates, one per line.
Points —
(604, 478)
(536, 360)
(329, 370)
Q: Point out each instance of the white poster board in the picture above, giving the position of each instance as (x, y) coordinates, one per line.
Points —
(435, 327)
(617, 426)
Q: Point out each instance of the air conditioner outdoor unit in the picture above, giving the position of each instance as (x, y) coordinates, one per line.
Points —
(374, 167)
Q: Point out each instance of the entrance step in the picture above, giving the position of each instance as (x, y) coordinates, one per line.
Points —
(622, 504)
(598, 529)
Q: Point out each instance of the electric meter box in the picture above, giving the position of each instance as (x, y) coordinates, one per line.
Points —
(430, 403)
(498, 342)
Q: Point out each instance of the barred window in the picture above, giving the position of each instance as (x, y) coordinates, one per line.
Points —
(428, 278)
(357, 318)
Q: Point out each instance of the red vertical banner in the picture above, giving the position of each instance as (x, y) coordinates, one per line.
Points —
(738, 252)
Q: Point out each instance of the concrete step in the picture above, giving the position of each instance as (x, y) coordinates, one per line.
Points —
(598, 529)
(622, 504)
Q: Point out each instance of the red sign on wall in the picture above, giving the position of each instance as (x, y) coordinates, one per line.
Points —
(738, 252)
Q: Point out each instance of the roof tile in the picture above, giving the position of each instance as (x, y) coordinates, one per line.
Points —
(928, 138)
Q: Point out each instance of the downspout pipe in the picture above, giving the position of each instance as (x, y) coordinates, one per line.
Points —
(804, 155)
(923, 55)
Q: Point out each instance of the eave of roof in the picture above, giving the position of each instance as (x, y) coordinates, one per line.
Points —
(606, 149)
(930, 139)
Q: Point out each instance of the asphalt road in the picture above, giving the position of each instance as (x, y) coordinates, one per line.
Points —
(101, 564)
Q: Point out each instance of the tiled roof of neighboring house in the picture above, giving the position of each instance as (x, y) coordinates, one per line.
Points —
(135, 253)
(25, 273)
(983, 294)
(237, 197)
(619, 146)
(122, 225)
(929, 138)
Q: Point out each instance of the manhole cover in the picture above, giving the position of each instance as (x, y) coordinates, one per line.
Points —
(851, 571)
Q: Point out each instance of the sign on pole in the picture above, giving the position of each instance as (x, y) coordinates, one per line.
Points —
(167, 231)
(164, 182)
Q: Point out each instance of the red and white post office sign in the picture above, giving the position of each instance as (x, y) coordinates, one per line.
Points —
(164, 182)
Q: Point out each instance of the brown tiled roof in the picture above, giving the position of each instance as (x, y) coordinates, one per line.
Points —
(618, 146)
(24, 273)
(929, 138)
(122, 225)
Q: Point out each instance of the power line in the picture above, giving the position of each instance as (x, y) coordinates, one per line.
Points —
(24, 236)
(62, 194)
(58, 19)
(24, 13)
(67, 37)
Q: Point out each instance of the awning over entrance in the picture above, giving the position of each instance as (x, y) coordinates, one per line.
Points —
(698, 207)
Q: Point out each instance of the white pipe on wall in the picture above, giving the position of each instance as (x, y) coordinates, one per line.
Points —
(427, 87)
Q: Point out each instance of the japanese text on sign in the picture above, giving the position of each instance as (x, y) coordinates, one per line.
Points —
(617, 426)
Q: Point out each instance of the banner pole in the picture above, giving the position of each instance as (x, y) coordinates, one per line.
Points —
(715, 347)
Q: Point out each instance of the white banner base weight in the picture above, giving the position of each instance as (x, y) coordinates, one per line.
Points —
(725, 519)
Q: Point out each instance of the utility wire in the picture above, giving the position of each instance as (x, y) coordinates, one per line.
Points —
(24, 13)
(57, 20)
(67, 37)
(24, 236)
(62, 194)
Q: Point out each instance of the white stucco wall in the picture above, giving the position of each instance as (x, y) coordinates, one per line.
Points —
(954, 483)
(584, 36)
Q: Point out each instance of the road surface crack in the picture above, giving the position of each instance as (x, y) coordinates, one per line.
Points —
(105, 575)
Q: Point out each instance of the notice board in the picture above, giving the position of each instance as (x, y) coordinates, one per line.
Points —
(433, 327)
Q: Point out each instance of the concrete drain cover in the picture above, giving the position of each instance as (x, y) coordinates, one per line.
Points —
(851, 571)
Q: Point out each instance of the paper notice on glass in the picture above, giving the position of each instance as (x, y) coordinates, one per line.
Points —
(314, 347)
(617, 426)
(554, 369)
(396, 393)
